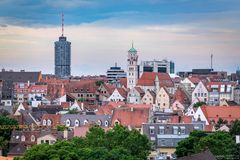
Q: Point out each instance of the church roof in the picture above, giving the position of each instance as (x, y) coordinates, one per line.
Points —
(132, 50)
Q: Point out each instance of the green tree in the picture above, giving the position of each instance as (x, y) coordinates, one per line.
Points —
(99, 83)
(116, 144)
(73, 111)
(188, 145)
(235, 128)
(5, 132)
(199, 104)
(219, 143)
(236, 151)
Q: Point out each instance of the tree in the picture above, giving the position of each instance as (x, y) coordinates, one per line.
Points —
(236, 151)
(219, 143)
(73, 111)
(235, 128)
(99, 83)
(116, 144)
(199, 104)
(5, 132)
(188, 145)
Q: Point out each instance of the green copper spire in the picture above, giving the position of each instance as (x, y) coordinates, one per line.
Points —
(156, 78)
(132, 49)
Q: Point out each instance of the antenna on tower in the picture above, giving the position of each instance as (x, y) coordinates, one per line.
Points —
(62, 24)
(211, 62)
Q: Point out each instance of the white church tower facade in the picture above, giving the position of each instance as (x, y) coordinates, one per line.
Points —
(132, 68)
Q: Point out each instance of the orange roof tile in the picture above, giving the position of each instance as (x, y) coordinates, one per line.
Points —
(148, 79)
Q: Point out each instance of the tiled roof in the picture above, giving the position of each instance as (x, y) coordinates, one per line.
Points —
(133, 117)
(181, 119)
(21, 76)
(229, 113)
(108, 108)
(139, 90)
(194, 80)
(110, 88)
(148, 79)
(55, 119)
(123, 82)
(180, 96)
(88, 86)
(122, 92)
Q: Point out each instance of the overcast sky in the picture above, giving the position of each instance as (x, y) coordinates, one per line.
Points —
(101, 32)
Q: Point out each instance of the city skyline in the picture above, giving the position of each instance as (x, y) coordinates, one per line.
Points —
(184, 31)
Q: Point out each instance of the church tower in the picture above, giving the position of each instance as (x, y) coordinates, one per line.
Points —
(132, 68)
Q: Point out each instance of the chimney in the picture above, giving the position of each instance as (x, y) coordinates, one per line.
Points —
(131, 109)
(28, 83)
(65, 134)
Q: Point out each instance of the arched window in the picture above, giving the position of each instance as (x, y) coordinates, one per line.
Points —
(23, 138)
(77, 122)
(44, 122)
(68, 123)
(85, 122)
(32, 138)
(117, 122)
(106, 123)
(49, 122)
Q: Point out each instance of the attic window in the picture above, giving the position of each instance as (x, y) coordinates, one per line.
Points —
(85, 122)
(32, 138)
(106, 123)
(49, 122)
(22, 138)
(68, 122)
(44, 122)
(99, 122)
(76, 122)
(75, 89)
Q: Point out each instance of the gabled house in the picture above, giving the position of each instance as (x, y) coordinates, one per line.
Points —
(200, 92)
(119, 94)
(135, 95)
(105, 91)
(211, 114)
(163, 99)
(180, 100)
(190, 83)
(149, 97)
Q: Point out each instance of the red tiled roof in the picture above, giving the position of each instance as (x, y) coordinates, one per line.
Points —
(123, 82)
(107, 109)
(110, 88)
(194, 80)
(181, 119)
(148, 79)
(66, 105)
(180, 96)
(133, 117)
(82, 86)
(139, 90)
(122, 92)
(55, 118)
(229, 113)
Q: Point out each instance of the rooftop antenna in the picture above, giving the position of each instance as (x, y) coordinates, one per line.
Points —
(211, 62)
(62, 24)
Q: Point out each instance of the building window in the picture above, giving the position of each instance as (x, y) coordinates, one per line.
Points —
(76, 122)
(32, 138)
(175, 130)
(49, 122)
(152, 129)
(99, 122)
(161, 130)
(183, 129)
(22, 138)
(68, 122)
(42, 141)
(44, 122)
(85, 122)
(106, 123)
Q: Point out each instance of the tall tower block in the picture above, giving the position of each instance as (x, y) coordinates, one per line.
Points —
(62, 55)
(132, 68)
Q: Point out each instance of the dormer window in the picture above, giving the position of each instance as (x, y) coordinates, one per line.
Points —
(76, 123)
(32, 138)
(49, 122)
(44, 122)
(85, 122)
(68, 122)
(117, 122)
(99, 122)
(106, 123)
(23, 138)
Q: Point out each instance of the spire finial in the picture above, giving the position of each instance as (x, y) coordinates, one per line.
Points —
(132, 43)
(62, 24)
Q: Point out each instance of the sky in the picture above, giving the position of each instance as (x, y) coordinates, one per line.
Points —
(101, 32)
